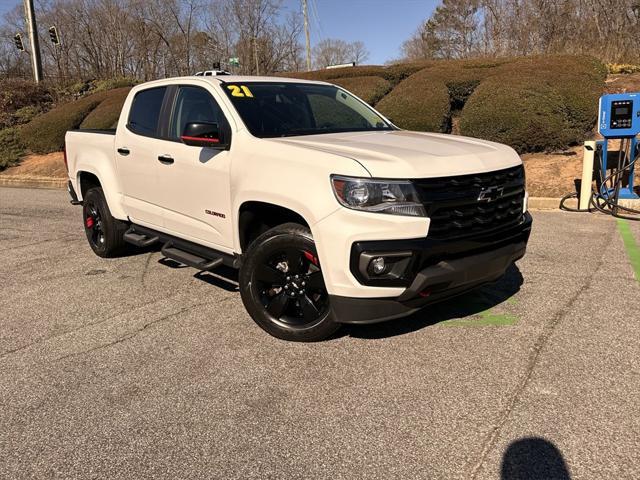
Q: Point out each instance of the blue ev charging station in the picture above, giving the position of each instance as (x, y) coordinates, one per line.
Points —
(619, 119)
(612, 160)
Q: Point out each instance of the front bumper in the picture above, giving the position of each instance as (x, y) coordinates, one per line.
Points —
(445, 269)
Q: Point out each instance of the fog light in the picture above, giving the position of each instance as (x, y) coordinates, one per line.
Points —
(378, 265)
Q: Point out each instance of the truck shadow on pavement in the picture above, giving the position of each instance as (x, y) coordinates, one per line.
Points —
(467, 305)
(533, 458)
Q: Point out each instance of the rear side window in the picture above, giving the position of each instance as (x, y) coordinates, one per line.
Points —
(145, 111)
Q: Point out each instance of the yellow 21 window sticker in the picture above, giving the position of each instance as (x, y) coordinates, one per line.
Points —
(240, 91)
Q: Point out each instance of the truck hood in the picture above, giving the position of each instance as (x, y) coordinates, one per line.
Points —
(403, 154)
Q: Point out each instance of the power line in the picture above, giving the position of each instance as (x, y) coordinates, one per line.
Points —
(314, 8)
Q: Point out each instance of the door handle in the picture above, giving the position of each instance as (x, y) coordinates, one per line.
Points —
(124, 151)
(166, 159)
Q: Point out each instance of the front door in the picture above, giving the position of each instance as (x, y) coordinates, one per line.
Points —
(194, 181)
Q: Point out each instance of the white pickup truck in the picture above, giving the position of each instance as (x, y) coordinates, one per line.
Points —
(331, 213)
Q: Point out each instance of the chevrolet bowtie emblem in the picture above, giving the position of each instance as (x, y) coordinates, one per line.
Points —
(490, 194)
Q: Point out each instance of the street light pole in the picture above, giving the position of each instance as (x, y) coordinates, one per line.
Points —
(30, 18)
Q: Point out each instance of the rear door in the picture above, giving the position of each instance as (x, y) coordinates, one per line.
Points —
(195, 181)
(137, 158)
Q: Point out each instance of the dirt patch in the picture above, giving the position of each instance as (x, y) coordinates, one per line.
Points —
(553, 174)
(37, 171)
(41, 166)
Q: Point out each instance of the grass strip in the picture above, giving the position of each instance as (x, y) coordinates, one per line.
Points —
(630, 245)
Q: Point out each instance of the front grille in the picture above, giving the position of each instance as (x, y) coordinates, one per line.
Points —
(455, 211)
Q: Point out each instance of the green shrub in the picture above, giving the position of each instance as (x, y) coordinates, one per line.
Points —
(537, 103)
(45, 134)
(26, 114)
(106, 115)
(418, 104)
(394, 74)
(369, 89)
(398, 72)
(11, 147)
(524, 113)
(114, 83)
(16, 95)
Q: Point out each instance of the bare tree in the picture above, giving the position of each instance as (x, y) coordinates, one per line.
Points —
(149, 39)
(467, 28)
(333, 51)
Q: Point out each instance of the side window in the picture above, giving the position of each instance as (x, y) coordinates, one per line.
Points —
(193, 104)
(145, 111)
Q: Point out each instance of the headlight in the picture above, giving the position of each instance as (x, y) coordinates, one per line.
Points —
(379, 196)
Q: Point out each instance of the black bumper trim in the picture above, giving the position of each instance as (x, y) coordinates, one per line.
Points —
(429, 251)
(445, 279)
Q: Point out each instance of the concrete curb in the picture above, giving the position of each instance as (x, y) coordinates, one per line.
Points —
(550, 203)
(32, 182)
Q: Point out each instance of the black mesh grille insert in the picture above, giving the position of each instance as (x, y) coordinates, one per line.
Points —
(468, 205)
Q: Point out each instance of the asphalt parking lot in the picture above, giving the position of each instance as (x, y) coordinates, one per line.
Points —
(133, 368)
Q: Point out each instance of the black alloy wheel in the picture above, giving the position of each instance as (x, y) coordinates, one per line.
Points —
(93, 224)
(291, 287)
(282, 286)
(105, 233)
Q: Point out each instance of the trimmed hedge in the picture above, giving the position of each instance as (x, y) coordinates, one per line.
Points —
(369, 89)
(45, 134)
(523, 113)
(537, 103)
(11, 147)
(418, 105)
(106, 114)
(394, 74)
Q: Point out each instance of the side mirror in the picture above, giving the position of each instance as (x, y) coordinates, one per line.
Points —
(203, 134)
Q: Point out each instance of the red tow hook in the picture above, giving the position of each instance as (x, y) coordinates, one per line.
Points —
(312, 258)
(89, 222)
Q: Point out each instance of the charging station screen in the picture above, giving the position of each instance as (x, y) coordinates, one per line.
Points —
(622, 113)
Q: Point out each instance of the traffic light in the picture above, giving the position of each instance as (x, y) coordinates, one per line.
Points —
(53, 34)
(216, 65)
(17, 39)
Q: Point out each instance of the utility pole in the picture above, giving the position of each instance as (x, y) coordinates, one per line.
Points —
(255, 53)
(305, 12)
(30, 18)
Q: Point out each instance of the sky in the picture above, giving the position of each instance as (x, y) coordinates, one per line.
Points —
(381, 24)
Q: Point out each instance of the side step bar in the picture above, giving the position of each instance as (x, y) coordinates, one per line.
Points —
(186, 252)
(189, 259)
(138, 239)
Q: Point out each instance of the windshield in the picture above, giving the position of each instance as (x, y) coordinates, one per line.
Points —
(289, 109)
